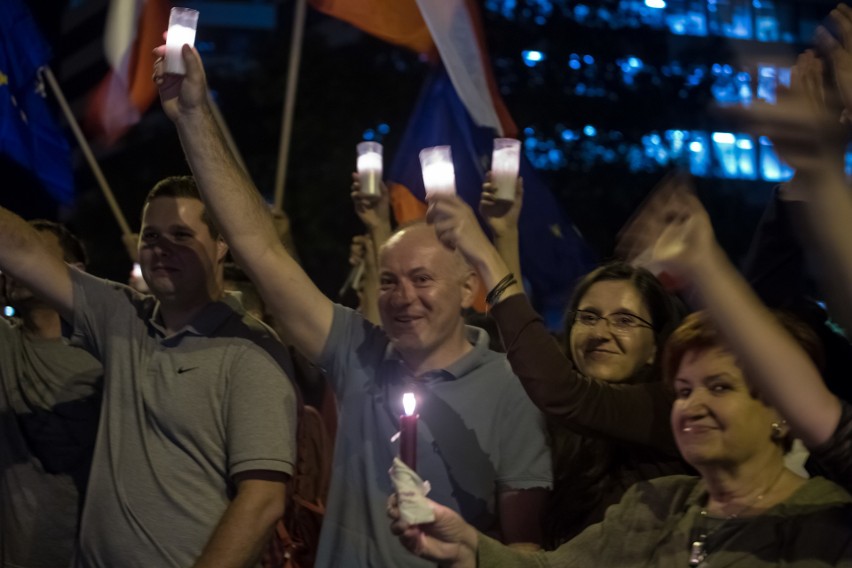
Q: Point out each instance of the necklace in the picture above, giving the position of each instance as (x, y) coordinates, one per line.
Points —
(698, 552)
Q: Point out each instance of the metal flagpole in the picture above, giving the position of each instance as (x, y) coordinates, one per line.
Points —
(299, 12)
(226, 132)
(87, 151)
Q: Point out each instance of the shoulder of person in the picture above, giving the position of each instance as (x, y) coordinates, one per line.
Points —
(669, 491)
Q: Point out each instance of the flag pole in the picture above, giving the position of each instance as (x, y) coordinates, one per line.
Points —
(226, 132)
(87, 151)
(298, 30)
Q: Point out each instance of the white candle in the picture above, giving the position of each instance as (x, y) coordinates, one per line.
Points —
(505, 162)
(369, 166)
(438, 173)
(182, 24)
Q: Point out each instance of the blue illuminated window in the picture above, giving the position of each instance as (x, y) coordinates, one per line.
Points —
(771, 167)
(532, 58)
(699, 154)
(8, 311)
(766, 26)
(763, 20)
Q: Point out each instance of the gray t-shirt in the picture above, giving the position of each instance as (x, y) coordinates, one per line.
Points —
(49, 404)
(182, 415)
(478, 434)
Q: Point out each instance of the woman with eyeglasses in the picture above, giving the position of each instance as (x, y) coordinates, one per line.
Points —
(607, 438)
(607, 409)
(745, 509)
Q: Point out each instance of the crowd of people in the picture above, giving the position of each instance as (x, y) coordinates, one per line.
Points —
(160, 427)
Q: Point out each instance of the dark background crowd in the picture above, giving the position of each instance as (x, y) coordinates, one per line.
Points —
(582, 79)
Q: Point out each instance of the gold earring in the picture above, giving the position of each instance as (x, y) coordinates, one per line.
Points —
(777, 429)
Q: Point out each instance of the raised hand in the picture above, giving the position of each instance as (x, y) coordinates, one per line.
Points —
(671, 234)
(501, 216)
(457, 227)
(804, 125)
(839, 53)
(181, 94)
(374, 211)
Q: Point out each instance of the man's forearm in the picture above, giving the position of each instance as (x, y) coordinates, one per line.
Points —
(237, 206)
(245, 528)
(24, 256)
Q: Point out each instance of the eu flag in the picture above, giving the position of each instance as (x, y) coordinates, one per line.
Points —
(29, 133)
(553, 254)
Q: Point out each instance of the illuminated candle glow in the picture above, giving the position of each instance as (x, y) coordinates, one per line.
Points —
(408, 431)
(505, 162)
(438, 173)
(182, 24)
(370, 168)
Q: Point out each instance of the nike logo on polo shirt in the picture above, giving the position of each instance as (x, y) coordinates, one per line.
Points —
(182, 370)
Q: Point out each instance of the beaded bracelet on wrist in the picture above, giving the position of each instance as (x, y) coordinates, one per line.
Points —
(497, 291)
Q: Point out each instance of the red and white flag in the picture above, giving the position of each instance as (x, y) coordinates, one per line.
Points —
(133, 29)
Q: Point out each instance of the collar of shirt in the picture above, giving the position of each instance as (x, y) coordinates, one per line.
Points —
(460, 367)
(205, 323)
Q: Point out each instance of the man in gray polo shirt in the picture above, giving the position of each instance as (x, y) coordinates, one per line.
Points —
(50, 396)
(481, 443)
(197, 433)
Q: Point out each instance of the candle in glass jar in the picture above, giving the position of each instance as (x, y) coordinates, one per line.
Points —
(182, 24)
(408, 431)
(369, 166)
(505, 162)
(438, 173)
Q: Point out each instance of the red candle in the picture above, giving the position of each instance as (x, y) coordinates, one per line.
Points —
(408, 432)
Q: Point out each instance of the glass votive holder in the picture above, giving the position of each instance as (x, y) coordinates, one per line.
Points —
(369, 165)
(439, 177)
(182, 25)
(505, 163)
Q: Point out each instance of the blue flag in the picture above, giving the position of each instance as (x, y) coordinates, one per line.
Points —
(553, 254)
(29, 132)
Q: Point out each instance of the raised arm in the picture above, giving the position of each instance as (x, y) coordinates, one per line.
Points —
(503, 223)
(374, 212)
(633, 413)
(26, 257)
(687, 252)
(303, 312)
(829, 203)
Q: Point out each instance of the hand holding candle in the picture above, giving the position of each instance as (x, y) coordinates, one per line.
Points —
(182, 24)
(408, 431)
(439, 177)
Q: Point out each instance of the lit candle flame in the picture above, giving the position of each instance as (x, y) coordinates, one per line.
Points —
(409, 403)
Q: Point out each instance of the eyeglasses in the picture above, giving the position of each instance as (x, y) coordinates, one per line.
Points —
(618, 322)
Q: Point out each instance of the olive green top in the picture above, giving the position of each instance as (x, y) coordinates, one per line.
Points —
(655, 524)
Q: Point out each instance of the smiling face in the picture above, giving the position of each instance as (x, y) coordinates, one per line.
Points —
(715, 418)
(178, 256)
(423, 289)
(602, 354)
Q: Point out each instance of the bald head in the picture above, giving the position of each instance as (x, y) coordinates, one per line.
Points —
(424, 286)
(422, 233)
